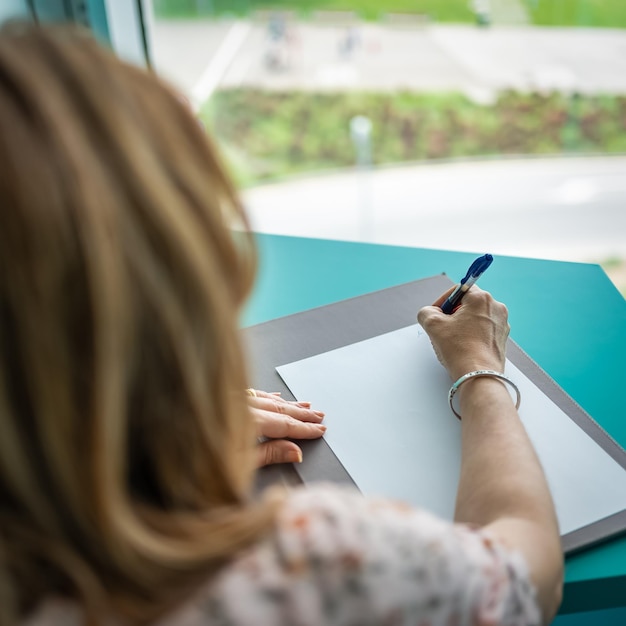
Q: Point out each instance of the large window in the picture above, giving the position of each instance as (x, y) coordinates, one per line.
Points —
(491, 125)
(482, 125)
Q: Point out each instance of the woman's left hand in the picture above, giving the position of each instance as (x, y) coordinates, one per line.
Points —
(277, 419)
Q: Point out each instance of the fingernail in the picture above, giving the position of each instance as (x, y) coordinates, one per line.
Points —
(322, 427)
(276, 393)
(304, 405)
(295, 456)
(319, 413)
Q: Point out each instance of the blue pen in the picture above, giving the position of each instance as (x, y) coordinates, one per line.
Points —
(473, 274)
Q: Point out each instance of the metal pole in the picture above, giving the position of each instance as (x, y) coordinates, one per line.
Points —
(360, 132)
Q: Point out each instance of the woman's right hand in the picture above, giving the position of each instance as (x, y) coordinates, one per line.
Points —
(473, 337)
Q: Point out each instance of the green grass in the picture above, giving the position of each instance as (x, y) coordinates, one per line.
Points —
(440, 10)
(599, 13)
(268, 135)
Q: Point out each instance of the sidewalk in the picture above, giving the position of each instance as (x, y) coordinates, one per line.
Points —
(569, 209)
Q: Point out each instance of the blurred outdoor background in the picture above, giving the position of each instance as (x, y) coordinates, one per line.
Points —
(478, 125)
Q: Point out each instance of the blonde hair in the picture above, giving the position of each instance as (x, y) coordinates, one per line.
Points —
(126, 445)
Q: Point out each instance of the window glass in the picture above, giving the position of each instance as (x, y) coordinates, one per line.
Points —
(488, 125)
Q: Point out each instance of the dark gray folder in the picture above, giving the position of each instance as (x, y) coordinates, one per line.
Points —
(316, 331)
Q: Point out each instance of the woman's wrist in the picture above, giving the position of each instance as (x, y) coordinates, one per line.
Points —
(473, 365)
(480, 392)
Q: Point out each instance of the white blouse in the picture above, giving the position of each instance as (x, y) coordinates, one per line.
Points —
(338, 558)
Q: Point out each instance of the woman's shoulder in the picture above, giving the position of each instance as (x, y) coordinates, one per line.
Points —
(338, 557)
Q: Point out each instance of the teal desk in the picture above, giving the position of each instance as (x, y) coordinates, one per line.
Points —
(567, 316)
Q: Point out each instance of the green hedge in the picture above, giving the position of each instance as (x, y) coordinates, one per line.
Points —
(603, 13)
(268, 134)
(440, 10)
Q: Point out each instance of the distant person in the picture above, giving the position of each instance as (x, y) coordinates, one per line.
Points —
(349, 42)
(277, 54)
(276, 26)
(482, 11)
(128, 441)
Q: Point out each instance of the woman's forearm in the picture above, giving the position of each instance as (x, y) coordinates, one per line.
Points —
(500, 472)
(503, 488)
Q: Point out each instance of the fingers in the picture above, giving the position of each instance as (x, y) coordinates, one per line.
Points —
(278, 451)
(473, 337)
(280, 425)
(273, 403)
(427, 313)
(476, 302)
(479, 301)
(473, 296)
(279, 420)
(278, 428)
(442, 298)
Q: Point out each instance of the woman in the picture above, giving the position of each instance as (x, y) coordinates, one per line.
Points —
(127, 442)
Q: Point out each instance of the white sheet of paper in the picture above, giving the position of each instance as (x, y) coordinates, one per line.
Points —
(390, 425)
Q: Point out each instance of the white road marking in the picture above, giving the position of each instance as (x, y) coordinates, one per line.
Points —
(218, 65)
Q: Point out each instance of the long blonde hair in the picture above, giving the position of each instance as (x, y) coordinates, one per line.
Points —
(126, 446)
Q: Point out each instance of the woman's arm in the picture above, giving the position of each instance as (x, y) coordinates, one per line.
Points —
(502, 486)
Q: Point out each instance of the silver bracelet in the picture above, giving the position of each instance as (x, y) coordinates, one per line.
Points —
(479, 373)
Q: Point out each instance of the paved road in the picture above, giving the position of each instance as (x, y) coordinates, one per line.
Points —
(475, 60)
(570, 209)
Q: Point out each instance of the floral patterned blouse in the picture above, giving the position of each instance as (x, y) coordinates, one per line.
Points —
(338, 558)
